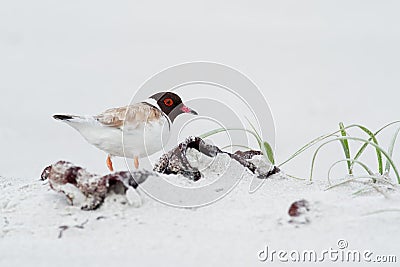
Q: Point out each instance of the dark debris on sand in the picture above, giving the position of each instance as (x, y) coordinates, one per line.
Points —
(176, 162)
(94, 187)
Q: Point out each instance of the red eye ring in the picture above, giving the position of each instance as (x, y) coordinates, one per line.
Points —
(168, 102)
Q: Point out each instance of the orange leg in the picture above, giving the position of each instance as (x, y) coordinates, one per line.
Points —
(109, 163)
(136, 162)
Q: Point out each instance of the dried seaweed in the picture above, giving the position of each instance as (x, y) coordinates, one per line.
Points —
(73, 180)
(175, 161)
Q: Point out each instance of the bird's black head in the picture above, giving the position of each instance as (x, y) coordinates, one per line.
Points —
(171, 104)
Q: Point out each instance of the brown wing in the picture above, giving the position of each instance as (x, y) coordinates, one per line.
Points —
(132, 115)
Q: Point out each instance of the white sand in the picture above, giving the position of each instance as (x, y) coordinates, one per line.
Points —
(231, 231)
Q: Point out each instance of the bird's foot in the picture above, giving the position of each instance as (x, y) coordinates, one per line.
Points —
(109, 163)
(136, 162)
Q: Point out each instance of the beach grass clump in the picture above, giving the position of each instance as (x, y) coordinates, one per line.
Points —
(366, 138)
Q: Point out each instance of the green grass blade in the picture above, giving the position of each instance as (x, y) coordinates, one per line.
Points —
(386, 126)
(294, 177)
(372, 138)
(212, 132)
(381, 211)
(372, 177)
(270, 152)
(360, 140)
(363, 147)
(259, 139)
(305, 147)
(264, 145)
(220, 130)
(390, 150)
(346, 148)
(362, 190)
(363, 165)
(313, 142)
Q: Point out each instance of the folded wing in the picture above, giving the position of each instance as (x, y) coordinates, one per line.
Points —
(131, 115)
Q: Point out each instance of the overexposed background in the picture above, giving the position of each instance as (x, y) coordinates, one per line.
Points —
(317, 62)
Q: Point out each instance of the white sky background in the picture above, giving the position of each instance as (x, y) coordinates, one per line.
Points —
(317, 62)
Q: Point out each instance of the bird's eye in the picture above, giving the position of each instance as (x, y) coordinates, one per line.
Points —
(168, 102)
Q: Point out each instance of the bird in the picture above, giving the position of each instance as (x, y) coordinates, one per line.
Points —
(132, 131)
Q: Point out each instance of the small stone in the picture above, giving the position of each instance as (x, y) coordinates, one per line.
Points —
(298, 208)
